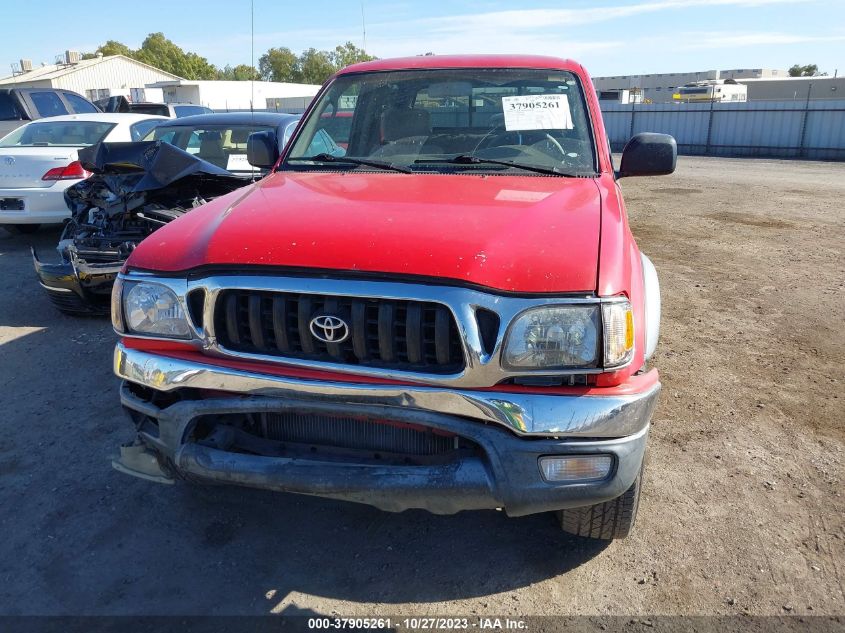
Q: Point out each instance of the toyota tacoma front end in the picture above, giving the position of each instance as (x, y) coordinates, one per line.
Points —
(443, 309)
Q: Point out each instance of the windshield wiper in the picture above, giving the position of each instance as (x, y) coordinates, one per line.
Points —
(328, 158)
(469, 159)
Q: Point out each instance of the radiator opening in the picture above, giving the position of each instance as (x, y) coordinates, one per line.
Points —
(330, 437)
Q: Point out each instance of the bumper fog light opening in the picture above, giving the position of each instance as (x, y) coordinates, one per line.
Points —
(575, 468)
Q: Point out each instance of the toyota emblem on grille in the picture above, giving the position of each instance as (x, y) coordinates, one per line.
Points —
(9, 160)
(329, 329)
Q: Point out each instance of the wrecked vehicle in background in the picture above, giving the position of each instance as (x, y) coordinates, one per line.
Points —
(138, 187)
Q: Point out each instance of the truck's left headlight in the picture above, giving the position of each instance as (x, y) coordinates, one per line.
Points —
(554, 337)
(599, 336)
(151, 308)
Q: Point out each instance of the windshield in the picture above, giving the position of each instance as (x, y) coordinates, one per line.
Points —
(694, 91)
(58, 134)
(221, 145)
(8, 108)
(436, 120)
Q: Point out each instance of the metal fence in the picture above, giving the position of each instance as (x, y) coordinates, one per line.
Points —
(775, 129)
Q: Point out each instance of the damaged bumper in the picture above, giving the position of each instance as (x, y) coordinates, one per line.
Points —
(77, 287)
(461, 451)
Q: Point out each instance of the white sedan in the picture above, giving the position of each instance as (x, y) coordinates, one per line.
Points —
(39, 161)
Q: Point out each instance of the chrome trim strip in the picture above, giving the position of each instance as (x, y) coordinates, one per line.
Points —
(53, 288)
(523, 413)
(481, 370)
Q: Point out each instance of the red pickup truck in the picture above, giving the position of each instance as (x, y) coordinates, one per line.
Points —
(444, 310)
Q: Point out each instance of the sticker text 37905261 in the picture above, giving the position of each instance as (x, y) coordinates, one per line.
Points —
(537, 112)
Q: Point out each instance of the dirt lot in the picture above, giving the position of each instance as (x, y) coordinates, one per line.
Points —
(742, 509)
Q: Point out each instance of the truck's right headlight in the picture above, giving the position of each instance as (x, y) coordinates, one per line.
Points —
(154, 309)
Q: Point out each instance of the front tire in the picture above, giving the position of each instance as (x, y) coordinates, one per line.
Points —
(606, 521)
(21, 229)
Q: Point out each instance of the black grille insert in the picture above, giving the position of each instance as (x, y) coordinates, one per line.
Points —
(391, 334)
(352, 433)
(329, 436)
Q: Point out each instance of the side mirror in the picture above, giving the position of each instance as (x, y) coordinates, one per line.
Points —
(648, 154)
(262, 149)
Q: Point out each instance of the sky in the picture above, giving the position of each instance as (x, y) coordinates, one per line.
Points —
(609, 37)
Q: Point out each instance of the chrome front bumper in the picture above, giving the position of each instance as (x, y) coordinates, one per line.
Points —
(525, 414)
(512, 431)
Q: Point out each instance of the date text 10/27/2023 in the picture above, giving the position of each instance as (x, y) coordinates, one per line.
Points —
(419, 623)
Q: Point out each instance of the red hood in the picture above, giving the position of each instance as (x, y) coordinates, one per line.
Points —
(513, 233)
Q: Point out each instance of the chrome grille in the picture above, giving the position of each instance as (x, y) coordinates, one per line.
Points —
(386, 333)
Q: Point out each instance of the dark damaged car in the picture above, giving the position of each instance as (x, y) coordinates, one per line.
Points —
(138, 187)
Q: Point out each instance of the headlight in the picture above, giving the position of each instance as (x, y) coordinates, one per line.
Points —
(557, 337)
(154, 309)
(567, 337)
(618, 333)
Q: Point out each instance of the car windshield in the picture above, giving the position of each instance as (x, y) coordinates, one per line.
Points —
(221, 145)
(455, 120)
(8, 109)
(58, 134)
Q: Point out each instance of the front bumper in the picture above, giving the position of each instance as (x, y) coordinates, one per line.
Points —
(75, 286)
(511, 430)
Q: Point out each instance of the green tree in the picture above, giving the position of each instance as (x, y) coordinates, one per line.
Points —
(810, 70)
(160, 52)
(113, 47)
(279, 64)
(315, 66)
(241, 72)
(348, 54)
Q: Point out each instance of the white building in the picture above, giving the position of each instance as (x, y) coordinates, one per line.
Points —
(96, 78)
(238, 95)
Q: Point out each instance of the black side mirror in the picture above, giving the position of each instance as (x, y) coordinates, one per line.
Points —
(649, 154)
(262, 149)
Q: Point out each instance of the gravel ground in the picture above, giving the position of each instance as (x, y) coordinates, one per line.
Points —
(742, 510)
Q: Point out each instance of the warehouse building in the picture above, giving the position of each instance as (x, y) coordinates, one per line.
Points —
(796, 88)
(97, 78)
(659, 87)
(238, 95)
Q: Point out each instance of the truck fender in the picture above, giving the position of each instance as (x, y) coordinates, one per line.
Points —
(651, 304)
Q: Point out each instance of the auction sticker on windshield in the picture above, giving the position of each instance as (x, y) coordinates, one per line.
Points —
(537, 112)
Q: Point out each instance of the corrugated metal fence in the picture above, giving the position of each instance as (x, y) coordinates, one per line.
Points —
(777, 129)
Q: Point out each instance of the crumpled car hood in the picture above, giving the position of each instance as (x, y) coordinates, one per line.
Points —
(147, 165)
(513, 233)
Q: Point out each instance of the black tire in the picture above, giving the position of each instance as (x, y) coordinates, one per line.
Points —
(607, 521)
(21, 229)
